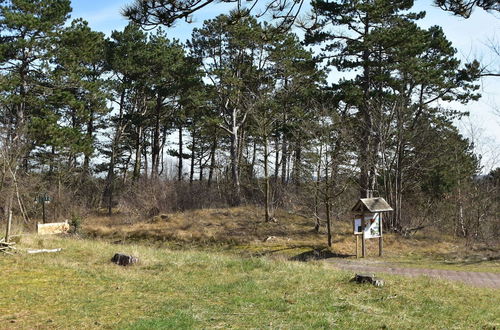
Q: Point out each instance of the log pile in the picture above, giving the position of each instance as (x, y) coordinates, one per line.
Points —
(6, 247)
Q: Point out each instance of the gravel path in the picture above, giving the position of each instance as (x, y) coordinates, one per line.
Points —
(478, 279)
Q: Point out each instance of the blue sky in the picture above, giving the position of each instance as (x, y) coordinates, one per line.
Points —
(470, 36)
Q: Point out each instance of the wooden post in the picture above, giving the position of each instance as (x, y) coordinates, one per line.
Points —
(43, 209)
(9, 224)
(380, 241)
(357, 243)
(363, 245)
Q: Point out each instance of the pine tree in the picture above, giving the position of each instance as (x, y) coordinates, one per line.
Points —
(381, 43)
(127, 53)
(353, 46)
(465, 8)
(154, 13)
(167, 63)
(80, 83)
(28, 31)
(231, 49)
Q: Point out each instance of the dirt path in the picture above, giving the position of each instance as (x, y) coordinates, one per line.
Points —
(479, 279)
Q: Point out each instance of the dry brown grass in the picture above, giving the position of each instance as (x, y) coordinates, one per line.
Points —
(244, 230)
(235, 225)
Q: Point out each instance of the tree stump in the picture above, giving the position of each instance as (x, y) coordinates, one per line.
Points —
(368, 278)
(123, 259)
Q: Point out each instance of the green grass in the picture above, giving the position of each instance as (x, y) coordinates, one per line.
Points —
(80, 288)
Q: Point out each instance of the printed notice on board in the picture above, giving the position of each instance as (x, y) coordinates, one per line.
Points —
(372, 228)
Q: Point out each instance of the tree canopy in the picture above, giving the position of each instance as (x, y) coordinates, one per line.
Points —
(243, 112)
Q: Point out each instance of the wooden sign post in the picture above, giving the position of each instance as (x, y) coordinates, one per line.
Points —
(368, 222)
(358, 231)
(44, 199)
(363, 239)
(357, 244)
(380, 241)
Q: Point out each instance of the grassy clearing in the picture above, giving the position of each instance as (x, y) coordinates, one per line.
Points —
(79, 288)
(242, 230)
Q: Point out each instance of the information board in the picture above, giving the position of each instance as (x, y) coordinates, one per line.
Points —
(372, 227)
(358, 230)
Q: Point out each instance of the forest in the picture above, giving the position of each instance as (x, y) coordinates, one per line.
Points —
(243, 113)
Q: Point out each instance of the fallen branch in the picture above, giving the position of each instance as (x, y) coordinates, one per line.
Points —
(408, 232)
(5, 247)
(44, 251)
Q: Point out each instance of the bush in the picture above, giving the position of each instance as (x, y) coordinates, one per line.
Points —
(75, 224)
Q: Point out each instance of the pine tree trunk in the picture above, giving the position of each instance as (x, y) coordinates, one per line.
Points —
(240, 146)
(284, 143)
(111, 169)
(254, 159)
(297, 165)
(235, 175)
(146, 161)
(155, 153)
(193, 154)
(267, 183)
(398, 188)
(202, 167)
(366, 127)
(328, 222)
(126, 167)
(138, 153)
(51, 162)
(317, 224)
(20, 131)
(90, 136)
(181, 152)
(212, 161)
(276, 157)
(284, 161)
(162, 150)
(110, 181)
(327, 203)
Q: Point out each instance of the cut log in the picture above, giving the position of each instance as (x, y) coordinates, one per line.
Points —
(368, 278)
(123, 259)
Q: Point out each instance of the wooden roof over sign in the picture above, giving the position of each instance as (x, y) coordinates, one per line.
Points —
(376, 204)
